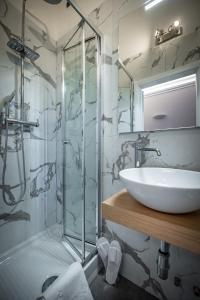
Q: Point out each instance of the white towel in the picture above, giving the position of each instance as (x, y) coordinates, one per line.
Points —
(72, 285)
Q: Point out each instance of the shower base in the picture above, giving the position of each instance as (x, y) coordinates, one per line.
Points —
(25, 268)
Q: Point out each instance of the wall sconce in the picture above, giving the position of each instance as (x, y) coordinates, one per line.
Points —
(174, 30)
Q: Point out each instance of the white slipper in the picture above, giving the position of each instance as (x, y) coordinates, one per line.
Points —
(114, 262)
(103, 247)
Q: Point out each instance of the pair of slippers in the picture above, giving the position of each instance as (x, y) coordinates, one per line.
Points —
(111, 256)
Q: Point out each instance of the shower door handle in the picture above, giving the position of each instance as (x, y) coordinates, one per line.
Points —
(66, 142)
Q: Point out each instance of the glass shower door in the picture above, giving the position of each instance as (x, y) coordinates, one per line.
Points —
(80, 146)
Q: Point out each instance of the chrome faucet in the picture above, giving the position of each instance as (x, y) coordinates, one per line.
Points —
(138, 158)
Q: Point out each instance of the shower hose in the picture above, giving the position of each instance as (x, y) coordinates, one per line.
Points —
(11, 201)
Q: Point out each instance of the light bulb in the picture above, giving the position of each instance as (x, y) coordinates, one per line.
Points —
(157, 32)
(176, 23)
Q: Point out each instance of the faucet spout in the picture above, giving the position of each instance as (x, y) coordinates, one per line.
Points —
(151, 149)
(138, 162)
(158, 152)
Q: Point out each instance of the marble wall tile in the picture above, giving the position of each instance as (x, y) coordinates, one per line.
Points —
(23, 214)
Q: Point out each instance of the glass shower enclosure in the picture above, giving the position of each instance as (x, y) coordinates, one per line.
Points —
(81, 144)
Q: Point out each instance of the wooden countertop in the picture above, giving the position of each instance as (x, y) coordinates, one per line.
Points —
(180, 230)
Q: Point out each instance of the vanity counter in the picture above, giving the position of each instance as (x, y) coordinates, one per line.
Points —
(180, 230)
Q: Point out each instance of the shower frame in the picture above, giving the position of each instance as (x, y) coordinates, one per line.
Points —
(97, 37)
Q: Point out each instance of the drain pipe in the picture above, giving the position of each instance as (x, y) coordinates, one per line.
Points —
(163, 260)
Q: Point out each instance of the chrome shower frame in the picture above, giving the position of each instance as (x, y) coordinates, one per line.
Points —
(98, 38)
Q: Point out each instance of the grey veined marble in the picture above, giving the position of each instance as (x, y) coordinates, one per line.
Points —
(47, 171)
(16, 216)
(22, 208)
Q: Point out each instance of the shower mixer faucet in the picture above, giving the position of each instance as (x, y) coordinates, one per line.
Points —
(138, 152)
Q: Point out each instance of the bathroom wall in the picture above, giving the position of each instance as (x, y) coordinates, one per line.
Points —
(147, 62)
(180, 149)
(22, 216)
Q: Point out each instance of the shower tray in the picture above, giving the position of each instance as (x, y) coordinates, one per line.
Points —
(25, 269)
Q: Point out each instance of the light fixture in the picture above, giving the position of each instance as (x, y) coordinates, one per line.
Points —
(174, 30)
(190, 79)
(150, 4)
(158, 33)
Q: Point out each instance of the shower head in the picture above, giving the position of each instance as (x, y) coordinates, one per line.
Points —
(56, 2)
(18, 46)
(53, 1)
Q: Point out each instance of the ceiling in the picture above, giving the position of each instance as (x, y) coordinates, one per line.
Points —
(58, 18)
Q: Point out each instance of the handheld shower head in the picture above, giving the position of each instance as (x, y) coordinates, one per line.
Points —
(54, 2)
(18, 46)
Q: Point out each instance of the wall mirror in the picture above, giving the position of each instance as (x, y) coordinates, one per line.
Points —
(163, 58)
(125, 99)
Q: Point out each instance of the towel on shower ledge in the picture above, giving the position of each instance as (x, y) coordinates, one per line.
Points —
(72, 285)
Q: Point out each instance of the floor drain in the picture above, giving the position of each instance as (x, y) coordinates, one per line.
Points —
(48, 282)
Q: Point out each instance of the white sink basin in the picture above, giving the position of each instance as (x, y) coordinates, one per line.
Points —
(167, 190)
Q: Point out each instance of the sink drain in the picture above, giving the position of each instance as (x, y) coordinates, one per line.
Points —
(48, 282)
